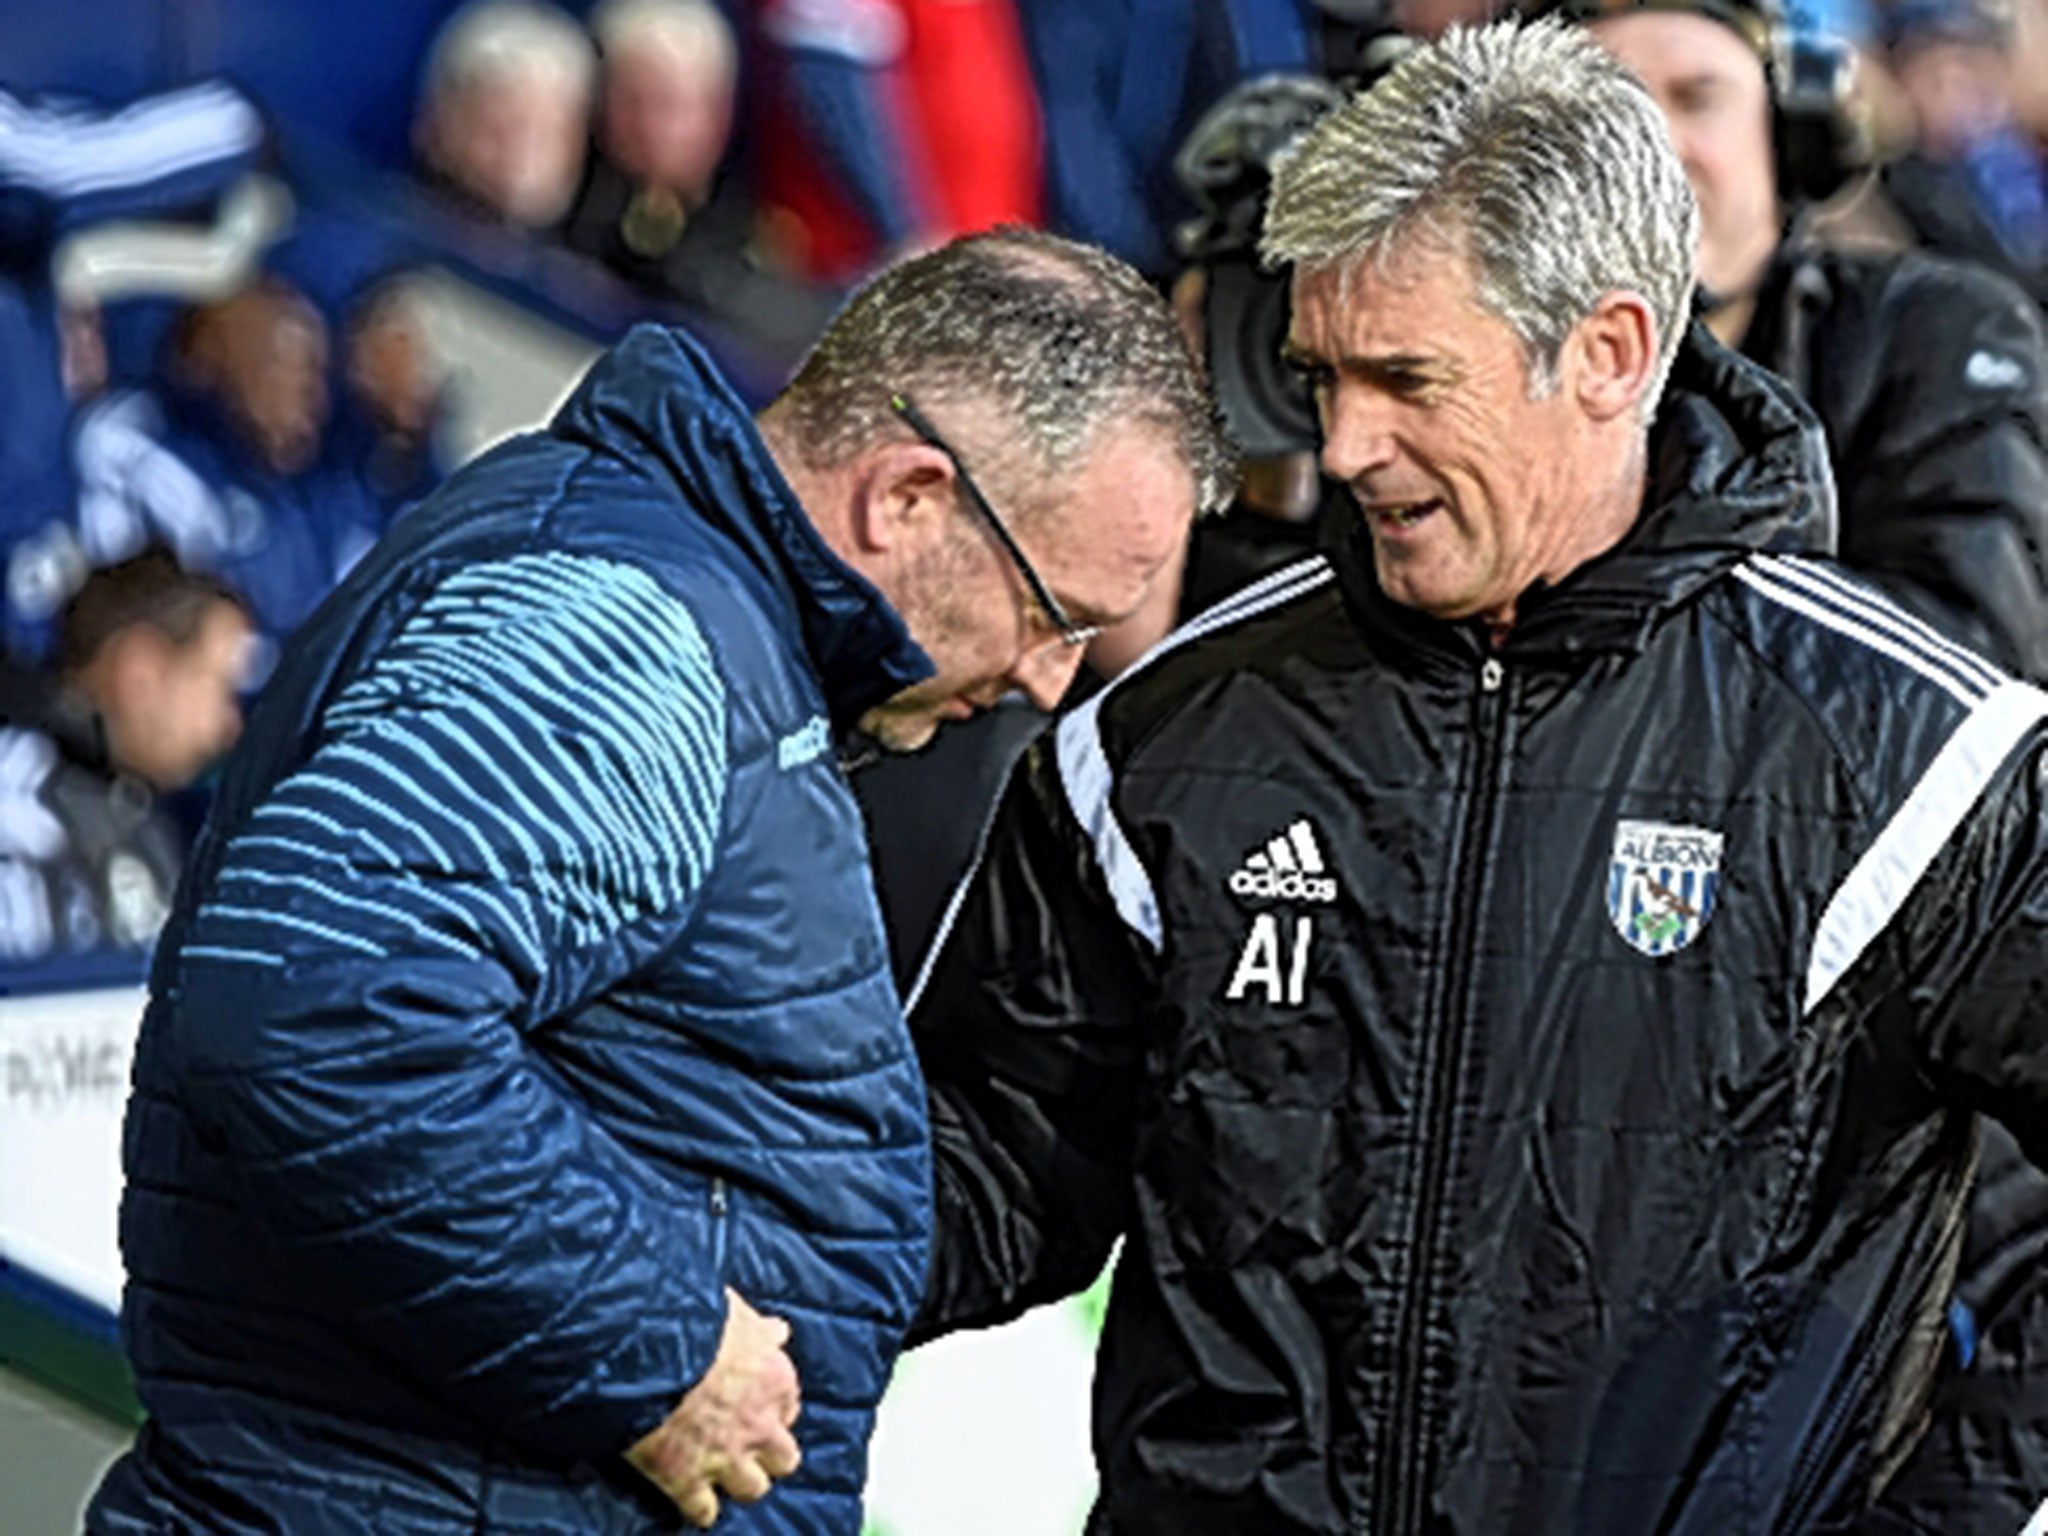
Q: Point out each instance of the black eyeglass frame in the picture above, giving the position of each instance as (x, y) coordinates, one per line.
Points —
(1062, 621)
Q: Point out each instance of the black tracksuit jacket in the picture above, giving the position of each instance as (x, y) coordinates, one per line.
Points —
(1535, 1085)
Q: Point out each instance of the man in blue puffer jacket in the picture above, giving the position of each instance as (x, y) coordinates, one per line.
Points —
(526, 1005)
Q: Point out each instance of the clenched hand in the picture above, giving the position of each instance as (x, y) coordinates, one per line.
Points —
(731, 1432)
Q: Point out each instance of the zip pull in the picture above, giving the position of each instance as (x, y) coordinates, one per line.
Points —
(1491, 675)
(719, 1199)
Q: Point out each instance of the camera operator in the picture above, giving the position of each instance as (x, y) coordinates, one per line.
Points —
(1930, 378)
(1235, 313)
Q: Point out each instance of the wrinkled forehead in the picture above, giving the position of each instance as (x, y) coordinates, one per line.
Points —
(1395, 297)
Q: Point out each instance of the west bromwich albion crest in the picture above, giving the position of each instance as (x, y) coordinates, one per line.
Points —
(1662, 884)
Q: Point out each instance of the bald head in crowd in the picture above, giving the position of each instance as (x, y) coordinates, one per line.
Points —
(670, 69)
(505, 112)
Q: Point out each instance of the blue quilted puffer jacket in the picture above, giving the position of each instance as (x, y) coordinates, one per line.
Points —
(528, 988)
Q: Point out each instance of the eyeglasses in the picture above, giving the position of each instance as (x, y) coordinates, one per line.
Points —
(1069, 631)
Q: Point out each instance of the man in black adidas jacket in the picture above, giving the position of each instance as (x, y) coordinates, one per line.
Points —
(1523, 989)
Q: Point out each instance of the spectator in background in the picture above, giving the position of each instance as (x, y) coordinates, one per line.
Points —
(142, 700)
(1976, 182)
(389, 384)
(657, 205)
(1121, 81)
(665, 108)
(216, 463)
(894, 124)
(260, 357)
(384, 440)
(65, 167)
(1930, 377)
(504, 115)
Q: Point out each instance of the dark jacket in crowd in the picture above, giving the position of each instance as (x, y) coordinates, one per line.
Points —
(88, 859)
(705, 257)
(1930, 378)
(526, 992)
(1535, 1085)
(1940, 203)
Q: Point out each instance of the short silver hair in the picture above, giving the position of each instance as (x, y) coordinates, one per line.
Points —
(1528, 147)
(695, 29)
(1056, 340)
(496, 42)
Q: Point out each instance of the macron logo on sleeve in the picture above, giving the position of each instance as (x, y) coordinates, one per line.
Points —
(809, 742)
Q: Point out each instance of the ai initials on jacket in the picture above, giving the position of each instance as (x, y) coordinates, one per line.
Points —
(1287, 868)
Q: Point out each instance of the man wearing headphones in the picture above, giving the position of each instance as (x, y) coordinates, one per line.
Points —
(1930, 378)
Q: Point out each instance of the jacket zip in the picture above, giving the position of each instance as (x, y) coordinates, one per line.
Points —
(1404, 1459)
(721, 1224)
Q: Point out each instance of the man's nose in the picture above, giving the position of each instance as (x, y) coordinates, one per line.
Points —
(1358, 435)
(1046, 671)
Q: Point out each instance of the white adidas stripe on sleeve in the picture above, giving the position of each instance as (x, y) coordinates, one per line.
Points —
(1877, 887)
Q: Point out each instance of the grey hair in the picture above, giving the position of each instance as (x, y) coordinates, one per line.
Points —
(693, 28)
(493, 42)
(1056, 340)
(1529, 147)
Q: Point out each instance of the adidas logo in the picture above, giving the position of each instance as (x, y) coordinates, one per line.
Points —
(1289, 868)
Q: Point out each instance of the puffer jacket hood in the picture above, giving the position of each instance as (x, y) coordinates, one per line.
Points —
(647, 398)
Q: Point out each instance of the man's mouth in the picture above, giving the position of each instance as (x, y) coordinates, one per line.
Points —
(1402, 515)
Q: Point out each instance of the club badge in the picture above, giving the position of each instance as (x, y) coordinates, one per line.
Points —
(1663, 884)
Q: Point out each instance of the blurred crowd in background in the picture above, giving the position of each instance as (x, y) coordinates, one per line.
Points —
(225, 230)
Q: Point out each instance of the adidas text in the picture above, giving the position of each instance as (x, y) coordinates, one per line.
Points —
(1269, 885)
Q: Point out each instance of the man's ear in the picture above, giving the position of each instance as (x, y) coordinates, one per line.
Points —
(129, 665)
(1613, 355)
(903, 496)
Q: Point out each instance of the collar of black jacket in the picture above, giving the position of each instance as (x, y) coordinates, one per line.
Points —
(1738, 464)
(657, 395)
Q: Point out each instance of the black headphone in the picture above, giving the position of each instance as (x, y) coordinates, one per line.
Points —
(1226, 166)
(1816, 139)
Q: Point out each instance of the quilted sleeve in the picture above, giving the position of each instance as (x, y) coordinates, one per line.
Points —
(508, 810)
